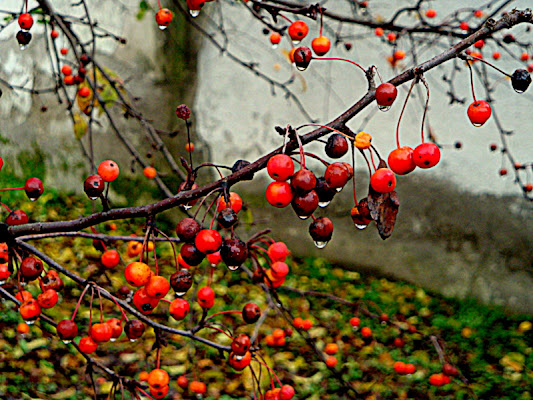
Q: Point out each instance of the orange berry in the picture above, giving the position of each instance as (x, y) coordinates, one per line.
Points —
(137, 273)
(431, 13)
(108, 170)
(110, 258)
(23, 328)
(321, 45)
(134, 248)
(391, 37)
(378, 31)
(331, 361)
(150, 172)
(331, 349)
(158, 378)
(197, 387)
(399, 55)
(189, 147)
(366, 332)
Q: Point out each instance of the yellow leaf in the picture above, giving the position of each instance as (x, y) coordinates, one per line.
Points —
(80, 126)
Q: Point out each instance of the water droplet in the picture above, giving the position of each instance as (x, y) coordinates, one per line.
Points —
(323, 204)
(320, 245)
(133, 340)
(355, 328)
(213, 265)
(67, 341)
(233, 267)
(339, 189)
(383, 323)
(2, 282)
(162, 27)
(113, 340)
(477, 125)
(303, 216)
(519, 91)
(23, 47)
(23, 284)
(187, 207)
(93, 198)
(275, 46)
(30, 322)
(194, 13)
(301, 68)
(384, 108)
(199, 396)
(180, 294)
(32, 198)
(239, 358)
(296, 42)
(360, 226)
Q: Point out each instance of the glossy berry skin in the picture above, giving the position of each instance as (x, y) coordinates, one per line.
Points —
(235, 201)
(30, 310)
(23, 296)
(191, 255)
(25, 21)
(251, 313)
(321, 230)
(17, 217)
(4, 272)
(187, 229)
(94, 186)
(214, 258)
(479, 112)
(163, 17)
(303, 181)
(383, 180)
(54, 34)
(426, 155)
(134, 329)
(278, 251)
(431, 13)
(197, 387)
(134, 248)
(321, 45)
(287, 392)
(324, 191)
(144, 303)
(336, 175)
(108, 170)
(137, 273)
(101, 332)
(33, 188)
(279, 194)
(158, 378)
(150, 172)
(227, 218)
(159, 392)
(450, 370)
(48, 299)
(279, 270)
(87, 345)
(157, 287)
(67, 329)
(305, 204)
(208, 241)
(181, 281)
(400, 160)
(275, 38)
(206, 297)
(239, 362)
(179, 309)
(66, 70)
(298, 30)
(386, 94)
(520, 80)
(116, 327)
(336, 146)
(23, 38)
(182, 382)
(233, 252)
(110, 258)
(84, 92)
(31, 268)
(280, 167)
(241, 344)
(302, 57)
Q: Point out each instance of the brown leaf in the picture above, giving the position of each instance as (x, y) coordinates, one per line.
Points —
(383, 209)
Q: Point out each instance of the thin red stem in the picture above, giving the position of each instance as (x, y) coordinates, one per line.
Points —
(5, 189)
(6, 207)
(79, 302)
(223, 312)
(472, 81)
(219, 330)
(321, 20)
(285, 18)
(426, 106)
(401, 114)
(101, 307)
(270, 370)
(159, 4)
(340, 59)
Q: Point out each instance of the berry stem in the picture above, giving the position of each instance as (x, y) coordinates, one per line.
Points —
(321, 20)
(425, 107)
(270, 371)
(223, 312)
(124, 316)
(340, 59)
(219, 330)
(79, 302)
(472, 81)
(490, 65)
(302, 154)
(372, 159)
(189, 142)
(353, 180)
(327, 127)
(144, 393)
(158, 358)
(326, 164)
(101, 306)
(401, 114)
(367, 163)
(171, 244)
(91, 308)
(285, 18)
(159, 4)
(5, 189)
(6, 207)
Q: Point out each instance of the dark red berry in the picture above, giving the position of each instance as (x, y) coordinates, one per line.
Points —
(386, 94)
(251, 313)
(520, 80)
(33, 188)
(303, 181)
(191, 255)
(67, 330)
(31, 268)
(94, 186)
(321, 231)
(336, 146)
(187, 229)
(134, 329)
(181, 281)
(302, 57)
(233, 252)
(305, 204)
(227, 218)
(17, 217)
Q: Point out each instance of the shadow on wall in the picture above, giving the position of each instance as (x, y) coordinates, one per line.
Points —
(452, 242)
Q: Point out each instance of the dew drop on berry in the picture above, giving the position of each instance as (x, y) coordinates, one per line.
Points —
(23, 47)
(133, 340)
(360, 226)
(320, 245)
(384, 108)
(113, 340)
(239, 358)
(339, 189)
(67, 341)
(180, 294)
(477, 125)
(274, 46)
(323, 204)
(303, 217)
(296, 42)
(233, 267)
(162, 27)
(186, 207)
(194, 13)
(30, 322)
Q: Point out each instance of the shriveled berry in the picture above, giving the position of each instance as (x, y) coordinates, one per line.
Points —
(187, 229)
(181, 281)
(520, 80)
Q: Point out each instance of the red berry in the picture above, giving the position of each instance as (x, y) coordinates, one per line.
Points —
(67, 330)
(321, 231)
(144, 303)
(355, 322)
(275, 38)
(479, 112)
(33, 188)
(208, 241)
(157, 287)
(187, 229)
(298, 30)
(206, 297)
(399, 342)
(31, 268)
(17, 217)
(286, 393)
(383, 180)
(84, 91)
(54, 34)
(87, 345)
(464, 26)
(386, 94)
(399, 367)
(94, 186)
(137, 273)
(278, 251)
(101, 332)
(331, 361)
(241, 344)
(251, 313)
(279, 194)
(426, 155)
(479, 44)
(450, 370)
(116, 328)
(66, 70)
(179, 309)
(496, 55)
(436, 380)
(391, 37)
(48, 298)
(108, 170)
(163, 17)
(400, 160)
(183, 382)
(279, 269)
(321, 45)
(234, 199)
(431, 13)
(63, 51)
(366, 332)
(410, 369)
(378, 31)
(25, 21)
(302, 57)
(336, 175)
(197, 387)
(134, 329)
(158, 378)
(110, 258)
(303, 181)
